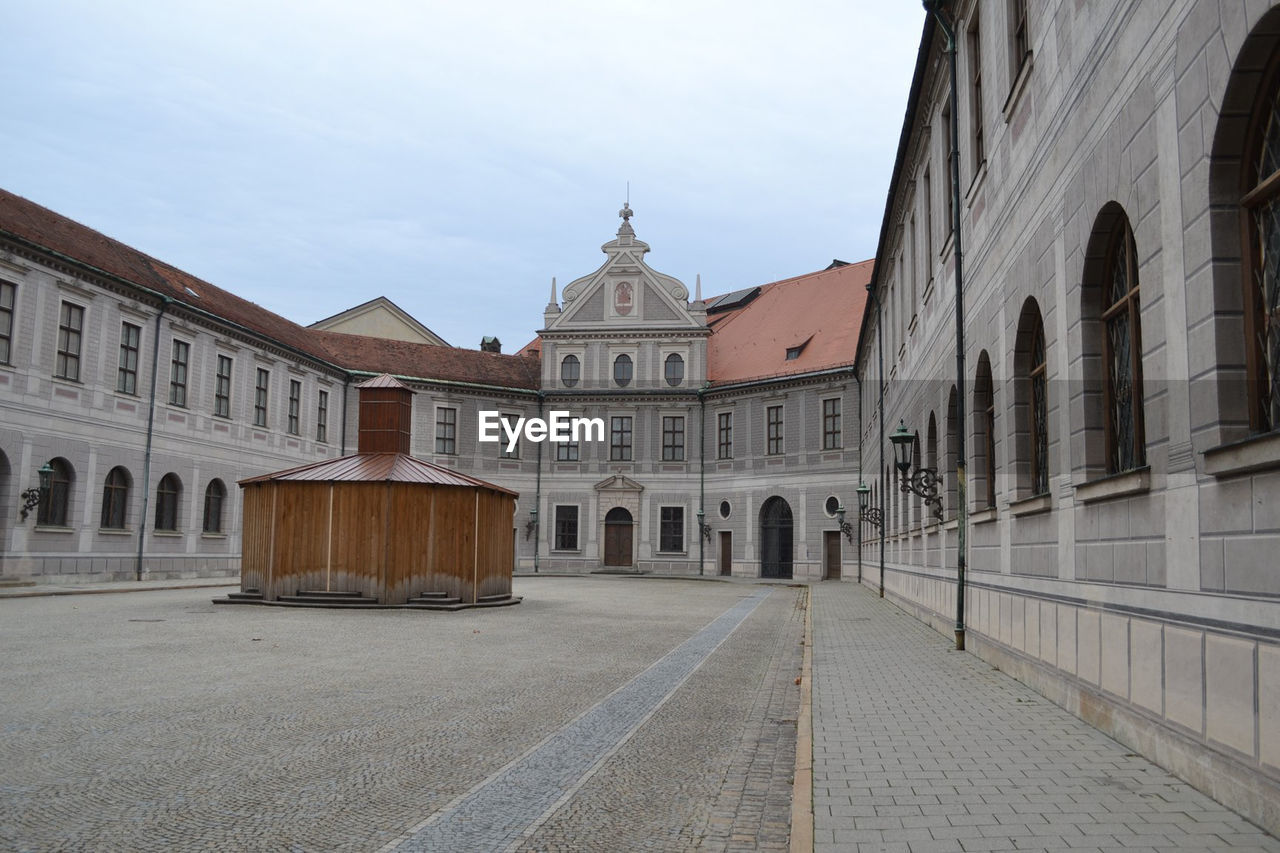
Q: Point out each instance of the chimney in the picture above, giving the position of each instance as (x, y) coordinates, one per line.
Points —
(490, 344)
(386, 415)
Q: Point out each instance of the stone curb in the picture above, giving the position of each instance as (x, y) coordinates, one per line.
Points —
(802, 787)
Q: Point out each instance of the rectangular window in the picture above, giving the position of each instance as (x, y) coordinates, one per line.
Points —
(975, 90)
(8, 297)
(831, 424)
(260, 398)
(673, 439)
(322, 416)
(927, 182)
(724, 428)
(1019, 37)
(127, 373)
(446, 430)
(620, 439)
(70, 328)
(503, 453)
(178, 374)
(671, 529)
(566, 528)
(567, 451)
(222, 388)
(949, 173)
(295, 406)
(773, 424)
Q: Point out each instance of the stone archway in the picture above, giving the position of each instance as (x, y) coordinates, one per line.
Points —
(775, 538)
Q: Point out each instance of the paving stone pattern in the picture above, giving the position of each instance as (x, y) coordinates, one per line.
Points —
(920, 748)
(156, 721)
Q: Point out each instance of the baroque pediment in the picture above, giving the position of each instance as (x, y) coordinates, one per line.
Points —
(618, 483)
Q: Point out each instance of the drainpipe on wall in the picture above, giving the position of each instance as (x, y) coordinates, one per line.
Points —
(962, 499)
(861, 478)
(537, 495)
(165, 302)
(702, 475)
(346, 388)
(884, 490)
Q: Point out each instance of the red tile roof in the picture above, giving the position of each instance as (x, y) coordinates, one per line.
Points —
(55, 233)
(820, 312)
(377, 468)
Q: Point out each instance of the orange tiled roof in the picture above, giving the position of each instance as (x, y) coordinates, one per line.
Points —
(819, 312)
(50, 231)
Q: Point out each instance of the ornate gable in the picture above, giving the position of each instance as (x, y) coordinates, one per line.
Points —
(624, 293)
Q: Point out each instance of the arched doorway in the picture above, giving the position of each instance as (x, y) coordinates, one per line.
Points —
(617, 538)
(775, 539)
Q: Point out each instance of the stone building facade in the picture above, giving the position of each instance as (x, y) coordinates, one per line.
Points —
(1121, 387)
(150, 394)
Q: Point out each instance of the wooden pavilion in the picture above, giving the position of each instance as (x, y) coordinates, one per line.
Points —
(377, 528)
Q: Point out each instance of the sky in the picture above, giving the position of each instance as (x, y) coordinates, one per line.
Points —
(455, 156)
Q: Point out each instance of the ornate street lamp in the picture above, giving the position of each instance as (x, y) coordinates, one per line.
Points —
(32, 498)
(870, 514)
(532, 523)
(845, 527)
(924, 482)
(703, 527)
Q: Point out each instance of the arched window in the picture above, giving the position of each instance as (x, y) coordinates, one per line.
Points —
(214, 496)
(54, 508)
(1031, 404)
(570, 371)
(675, 369)
(984, 422)
(622, 370)
(1261, 203)
(115, 499)
(1114, 438)
(168, 494)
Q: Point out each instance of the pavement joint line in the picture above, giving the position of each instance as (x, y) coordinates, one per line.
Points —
(502, 810)
(802, 789)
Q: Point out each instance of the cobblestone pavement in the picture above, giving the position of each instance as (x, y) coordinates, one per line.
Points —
(921, 748)
(155, 721)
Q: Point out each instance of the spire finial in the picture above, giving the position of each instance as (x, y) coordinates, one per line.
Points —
(697, 295)
(553, 290)
(626, 211)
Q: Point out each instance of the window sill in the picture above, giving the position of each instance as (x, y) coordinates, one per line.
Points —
(53, 528)
(114, 531)
(673, 553)
(979, 177)
(167, 534)
(950, 524)
(928, 292)
(983, 516)
(1255, 453)
(567, 551)
(1115, 486)
(1019, 86)
(1031, 506)
(213, 535)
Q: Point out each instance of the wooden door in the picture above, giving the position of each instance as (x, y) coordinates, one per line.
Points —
(726, 553)
(775, 539)
(831, 564)
(617, 537)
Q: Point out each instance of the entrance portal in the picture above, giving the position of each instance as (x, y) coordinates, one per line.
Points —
(775, 539)
(617, 538)
(831, 556)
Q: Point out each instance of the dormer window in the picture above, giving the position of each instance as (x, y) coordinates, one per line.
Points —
(622, 370)
(674, 369)
(794, 352)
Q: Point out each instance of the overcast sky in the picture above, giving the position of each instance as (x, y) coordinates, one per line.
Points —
(454, 156)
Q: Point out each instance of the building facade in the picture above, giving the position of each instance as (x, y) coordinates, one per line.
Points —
(1120, 394)
(726, 439)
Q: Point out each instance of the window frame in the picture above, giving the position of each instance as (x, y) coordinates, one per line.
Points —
(294, 423)
(977, 122)
(724, 435)
(671, 529)
(774, 435)
(566, 380)
(510, 419)
(446, 443)
(832, 426)
(1121, 239)
(621, 438)
(55, 510)
(168, 503)
(214, 504)
(222, 386)
(322, 416)
(566, 531)
(618, 361)
(115, 500)
(1038, 427)
(261, 397)
(676, 359)
(8, 309)
(179, 361)
(70, 341)
(127, 364)
(568, 451)
(673, 438)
